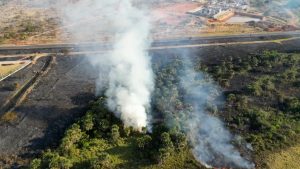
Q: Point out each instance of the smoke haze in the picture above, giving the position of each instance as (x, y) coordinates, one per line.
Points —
(125, 72)
(126, 75)
(211, 141)
(128, 79)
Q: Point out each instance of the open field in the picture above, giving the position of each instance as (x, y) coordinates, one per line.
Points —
(32, 22)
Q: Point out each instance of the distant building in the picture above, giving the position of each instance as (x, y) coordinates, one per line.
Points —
(224, 15)
(220, 10)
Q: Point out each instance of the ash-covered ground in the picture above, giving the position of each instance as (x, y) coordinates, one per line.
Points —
(60, 95)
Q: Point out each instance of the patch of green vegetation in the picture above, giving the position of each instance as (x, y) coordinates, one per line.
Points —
(100, 140)
(262, 97)
(21, 31)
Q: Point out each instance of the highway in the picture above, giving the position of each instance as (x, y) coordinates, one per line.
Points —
(156, 44)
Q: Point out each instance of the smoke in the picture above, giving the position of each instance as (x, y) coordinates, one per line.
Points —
(131, 79)
(126, 75)
(125, 71)
(210, 140)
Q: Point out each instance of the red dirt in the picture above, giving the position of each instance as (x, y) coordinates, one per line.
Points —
(172, 13)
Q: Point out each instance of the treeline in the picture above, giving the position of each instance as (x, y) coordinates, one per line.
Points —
(100, 140)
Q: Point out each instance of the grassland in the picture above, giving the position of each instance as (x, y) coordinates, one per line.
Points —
(6, 70)
(288, 158)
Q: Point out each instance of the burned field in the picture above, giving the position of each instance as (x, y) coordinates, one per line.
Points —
(62, 92)
(260, 86)
(59, 95)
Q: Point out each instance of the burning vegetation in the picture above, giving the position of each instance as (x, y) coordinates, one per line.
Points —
(179, 110)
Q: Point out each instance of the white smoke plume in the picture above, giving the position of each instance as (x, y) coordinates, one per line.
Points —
(210, 139)
(130, 79)
(127, 67)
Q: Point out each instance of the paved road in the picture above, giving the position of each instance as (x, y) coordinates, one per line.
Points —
(194, 41)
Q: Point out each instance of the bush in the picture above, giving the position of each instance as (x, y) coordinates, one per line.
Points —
(35, 164)
(115, 134)
(102, 162)
(88, 122)
(72, 136)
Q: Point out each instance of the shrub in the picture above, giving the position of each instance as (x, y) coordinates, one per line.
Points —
(35, 164)
(72, 136)
(115, 134)
(102, 162)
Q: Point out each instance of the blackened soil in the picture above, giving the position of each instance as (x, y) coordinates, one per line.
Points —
(60, 96)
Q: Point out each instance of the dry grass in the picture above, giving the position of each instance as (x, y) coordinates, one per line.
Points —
(9, 117)
(221, 28)
(289, 159)
(5, 70)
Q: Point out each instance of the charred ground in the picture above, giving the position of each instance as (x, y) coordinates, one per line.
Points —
(57, 97)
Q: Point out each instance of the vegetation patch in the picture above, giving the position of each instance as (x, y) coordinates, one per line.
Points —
(9, 117)
(262, 98)
(100, 140)
(6, 70)
(288, 158)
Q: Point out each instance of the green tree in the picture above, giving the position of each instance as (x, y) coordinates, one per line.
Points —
(115, 134)
(231, 98)
(144, 142)
(35, 164)
(102, 162)
(179, 140)
(127, 131)
(59, 162)
(163, 154)
(88, 122)
(72, 136)
(166, 141)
